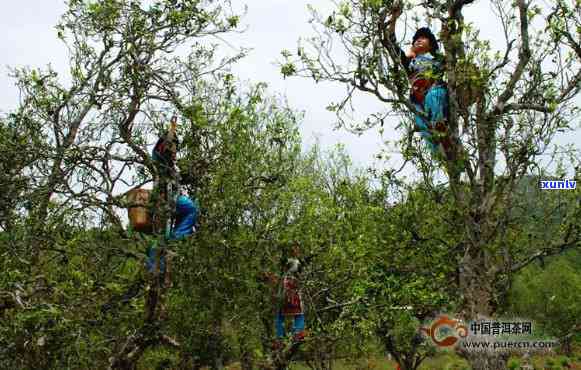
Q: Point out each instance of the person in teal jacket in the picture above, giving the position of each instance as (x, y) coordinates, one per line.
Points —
(187, 211)
(186, 217)
(429, 94)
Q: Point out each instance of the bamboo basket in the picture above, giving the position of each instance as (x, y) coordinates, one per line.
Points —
(138, 211)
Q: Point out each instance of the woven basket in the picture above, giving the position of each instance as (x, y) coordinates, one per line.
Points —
(470, 84)
(138, 212)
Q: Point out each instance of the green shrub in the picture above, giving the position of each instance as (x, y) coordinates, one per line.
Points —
(456, 365)
(513, 364)
(565, 362)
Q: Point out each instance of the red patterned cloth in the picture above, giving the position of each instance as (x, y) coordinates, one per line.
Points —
(292, 303)
(419, 88)
(286, 298)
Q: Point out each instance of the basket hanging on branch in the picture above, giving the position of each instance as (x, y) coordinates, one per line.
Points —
(470, 84)
(138, 212)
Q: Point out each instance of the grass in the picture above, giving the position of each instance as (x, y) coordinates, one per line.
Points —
(445, 361)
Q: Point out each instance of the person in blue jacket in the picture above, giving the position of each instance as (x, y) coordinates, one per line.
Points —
(186, 217)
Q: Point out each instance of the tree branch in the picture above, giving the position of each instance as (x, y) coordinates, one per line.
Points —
(517, 107)
(524, 58)
(546, 252)
(459, 4)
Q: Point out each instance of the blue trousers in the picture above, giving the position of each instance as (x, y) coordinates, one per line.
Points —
(298, 324)
(436, 107)
(151, 259)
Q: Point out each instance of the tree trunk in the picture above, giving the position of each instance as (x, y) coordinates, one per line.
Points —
(477, 289)
(283, 358)
(566, 348)
(216, 347)
(408, 359)
(406, 364)
(246, 358)
(476, 285)
(409, 362)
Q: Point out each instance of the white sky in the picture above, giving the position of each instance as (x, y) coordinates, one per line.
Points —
(30, 39)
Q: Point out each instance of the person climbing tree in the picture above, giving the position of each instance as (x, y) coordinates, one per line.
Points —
(186, 216)
(424, 67)
(182, 220)
(287, 298)
(164, 156)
